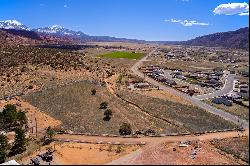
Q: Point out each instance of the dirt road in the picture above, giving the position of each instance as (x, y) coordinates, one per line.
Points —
(151, 152)
(155, 153)
(147, 140)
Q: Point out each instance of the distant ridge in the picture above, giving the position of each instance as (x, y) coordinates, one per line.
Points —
(59, 31)
(238, 39)
(23, 33)
(57, 34)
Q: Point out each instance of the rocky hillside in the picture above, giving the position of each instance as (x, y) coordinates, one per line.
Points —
(14, 36)
(233, 39)
(11, 36)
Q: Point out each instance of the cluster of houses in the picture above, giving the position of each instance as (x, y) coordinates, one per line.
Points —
(244, 73)
(142, 86)
(216, 54)
(175, 54)
(202, 78)
(238, 96)
(241, 92)
(156, 73)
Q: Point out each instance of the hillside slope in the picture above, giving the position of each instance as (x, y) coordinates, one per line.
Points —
(233, 39)
(12, 36)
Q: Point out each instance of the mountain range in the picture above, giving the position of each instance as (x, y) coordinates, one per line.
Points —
(13, 24)
(57, 34)
(60, 33)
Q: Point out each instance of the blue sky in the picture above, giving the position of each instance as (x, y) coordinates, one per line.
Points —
(162, 20)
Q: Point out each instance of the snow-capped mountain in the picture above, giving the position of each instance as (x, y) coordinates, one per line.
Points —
(13, 24)
(60, 31)
(55, 31)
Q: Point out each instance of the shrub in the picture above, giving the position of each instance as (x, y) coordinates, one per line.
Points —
(125, 129)
(30, 87)
(107, 115)
(93, 91)
(50, 132)
(103, 105)
(118, 149)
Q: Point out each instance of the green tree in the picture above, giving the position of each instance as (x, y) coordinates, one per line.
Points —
(103, 105)
(11, 118)
(93, 91)
(9, 114)
(3, 147)
(20, 142)
(107, 115)
(21, 118)
(125, 129)
(50, 132)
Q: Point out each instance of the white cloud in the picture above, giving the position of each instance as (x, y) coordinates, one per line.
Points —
(244, 14)
(65, 6)
(41, 4)
(241, 9)
(188, 23)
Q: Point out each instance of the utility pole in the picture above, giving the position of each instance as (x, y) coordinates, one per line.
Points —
(36, 126)
(54, 146)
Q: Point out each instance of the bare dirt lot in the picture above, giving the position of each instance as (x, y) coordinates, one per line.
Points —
(172, 154)
(78, 153)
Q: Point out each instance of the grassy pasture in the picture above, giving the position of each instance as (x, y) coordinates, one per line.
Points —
(126, 55)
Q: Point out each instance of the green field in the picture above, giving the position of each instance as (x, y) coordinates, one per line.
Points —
(126, 55)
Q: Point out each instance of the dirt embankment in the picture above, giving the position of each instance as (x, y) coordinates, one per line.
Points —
(34, 115)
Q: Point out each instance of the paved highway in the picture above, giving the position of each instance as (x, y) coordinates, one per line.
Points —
(196, 101)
